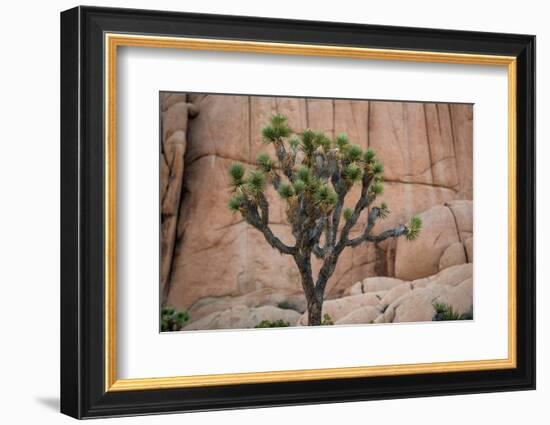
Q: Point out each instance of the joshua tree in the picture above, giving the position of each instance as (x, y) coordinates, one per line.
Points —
(313, 174)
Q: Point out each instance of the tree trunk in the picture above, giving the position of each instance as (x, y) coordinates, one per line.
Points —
(314, 311)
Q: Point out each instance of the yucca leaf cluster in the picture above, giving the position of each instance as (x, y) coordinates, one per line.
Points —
(414, 227)
(307, 169)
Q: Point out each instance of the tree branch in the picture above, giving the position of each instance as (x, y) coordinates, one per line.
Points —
(252, 217)
(275, 179)
(318, 251)
(336, 216)
(304, 266)
(316, 236)
(326, 271)
(284, 158)
(362, 203)
(391, 233)
(316, 232)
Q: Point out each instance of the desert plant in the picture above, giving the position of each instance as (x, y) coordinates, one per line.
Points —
(172, 319)
(327, 320)
(446, 312)
(273, 324)
(313, 174)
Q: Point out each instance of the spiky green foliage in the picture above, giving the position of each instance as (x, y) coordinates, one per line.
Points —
(172, 319)
(268, 134)
(299, 186)
(377, 188)
(277, 130)
(285, 190)
(446, 312)
(308, 142)
(322, 141)
(354, 153)
(264, 162)
(369, 156)
(332, 197)
(294, 142)
(414, 228)
(377, 168)
(236, 172)
(278, 120)
(342, 141)
(235, 202)
(384, 210)
(272, 324)
(348, 212)
(255, 182)
(304, 174)
(327, 320)
(352, 173)
(325, 195)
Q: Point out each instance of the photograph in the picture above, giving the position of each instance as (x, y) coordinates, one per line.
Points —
(302, 211)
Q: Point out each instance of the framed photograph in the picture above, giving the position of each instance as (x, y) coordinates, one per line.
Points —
(261, 212)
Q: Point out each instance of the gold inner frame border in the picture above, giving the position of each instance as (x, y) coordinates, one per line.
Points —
(111, 43)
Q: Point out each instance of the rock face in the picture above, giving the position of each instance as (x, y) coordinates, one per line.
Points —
(362, 315)
(212, 261)
(175, 115)
(341, 307)
(262, 297)
(242, 317)
(442, 241)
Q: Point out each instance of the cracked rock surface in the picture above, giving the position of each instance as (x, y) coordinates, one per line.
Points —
(210, 257)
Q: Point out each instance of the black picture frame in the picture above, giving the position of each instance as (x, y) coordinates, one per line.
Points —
(83, 392)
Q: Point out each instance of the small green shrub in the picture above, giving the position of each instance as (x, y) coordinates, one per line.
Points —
(327, 320)
(272, 324)
(446, 312)
(172, 319)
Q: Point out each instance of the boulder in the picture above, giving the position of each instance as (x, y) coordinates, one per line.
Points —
(362, 315)
(341, 307)
(380, 283)
(242, 317)
(355, 289)
(451, 276)
(418, 306)
(437, 234)
(455, 254)
(395, 293)
(169, 99)
(443, 226)
(469, 245)
(464, 217)
(207, 305)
